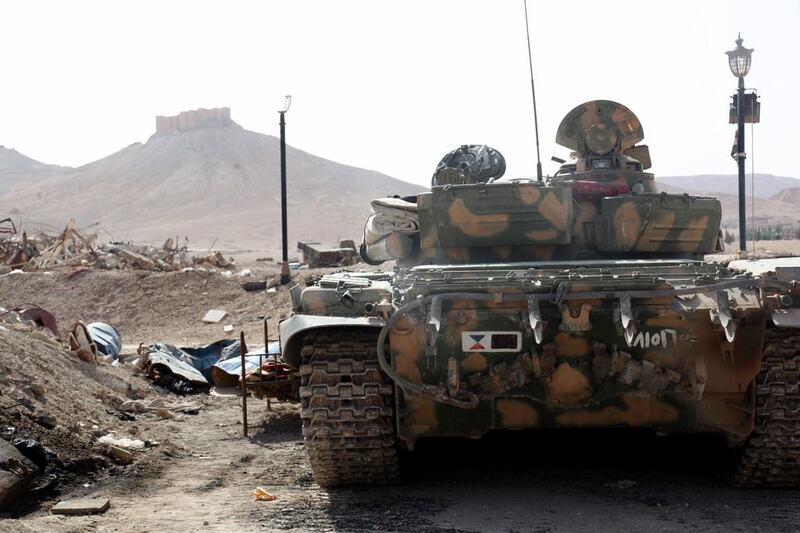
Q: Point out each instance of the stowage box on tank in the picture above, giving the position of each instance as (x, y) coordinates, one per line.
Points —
(579, 301)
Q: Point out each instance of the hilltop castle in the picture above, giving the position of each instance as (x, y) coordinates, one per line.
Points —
(193, 120)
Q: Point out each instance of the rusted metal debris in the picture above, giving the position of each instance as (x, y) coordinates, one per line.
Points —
(41, 317)
(76, 250)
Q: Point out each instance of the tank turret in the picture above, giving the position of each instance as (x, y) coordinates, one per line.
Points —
(600, 205)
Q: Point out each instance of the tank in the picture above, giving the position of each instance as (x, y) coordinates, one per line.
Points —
(579, 301)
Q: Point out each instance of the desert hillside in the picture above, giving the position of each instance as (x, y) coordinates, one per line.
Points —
(207, 183)
(766, 185)
(18, 171)
(771, 208)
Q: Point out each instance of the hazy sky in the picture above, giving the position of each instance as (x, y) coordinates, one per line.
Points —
(393, 86)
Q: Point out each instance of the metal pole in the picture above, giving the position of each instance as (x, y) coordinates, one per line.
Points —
(740, 157)
(243, 351)
(285, 277)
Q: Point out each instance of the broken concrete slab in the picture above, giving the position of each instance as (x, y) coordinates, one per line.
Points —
(81, 506)
(227, 328)
(120, 454)
(214, 316)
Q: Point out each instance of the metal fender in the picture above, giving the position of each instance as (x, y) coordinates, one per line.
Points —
(292, 327)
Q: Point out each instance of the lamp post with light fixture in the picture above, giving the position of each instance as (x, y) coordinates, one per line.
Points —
(739, 60)
(285, 276)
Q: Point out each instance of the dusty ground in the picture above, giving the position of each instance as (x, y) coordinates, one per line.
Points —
(152, 306)
(199, 472)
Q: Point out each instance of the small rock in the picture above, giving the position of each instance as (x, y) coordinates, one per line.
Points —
(37, 389)
(262, 495)
(120, 454)
(45, 420)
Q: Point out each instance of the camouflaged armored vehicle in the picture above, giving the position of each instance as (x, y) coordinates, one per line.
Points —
(579, 301)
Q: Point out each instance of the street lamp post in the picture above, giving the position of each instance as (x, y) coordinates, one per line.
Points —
(739, 61)
(285, 277)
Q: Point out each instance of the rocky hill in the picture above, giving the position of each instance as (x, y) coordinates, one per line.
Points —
(789, 196)
(208, 183)
(18, 171)
(771, 208)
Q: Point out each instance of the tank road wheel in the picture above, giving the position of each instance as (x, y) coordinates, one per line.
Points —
(347, 410)
(771, 455)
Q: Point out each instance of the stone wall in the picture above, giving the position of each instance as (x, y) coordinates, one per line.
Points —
(194, 120)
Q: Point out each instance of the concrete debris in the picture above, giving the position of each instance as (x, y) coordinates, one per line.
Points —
(81, 506)
(81, 252)
(122, 442)
(214, 316)
(158, 405)
(227, 328)
(121, 455)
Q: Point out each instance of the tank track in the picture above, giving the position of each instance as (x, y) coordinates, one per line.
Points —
(771, 455)
(347, 410)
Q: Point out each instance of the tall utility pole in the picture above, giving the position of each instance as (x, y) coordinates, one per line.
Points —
(285, 277)
(739, 61)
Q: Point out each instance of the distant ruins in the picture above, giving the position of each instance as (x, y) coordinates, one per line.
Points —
(194, 120)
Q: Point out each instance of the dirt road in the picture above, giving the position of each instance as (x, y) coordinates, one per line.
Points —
(598, 481)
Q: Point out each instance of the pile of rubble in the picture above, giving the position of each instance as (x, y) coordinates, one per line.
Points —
(72, 249)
